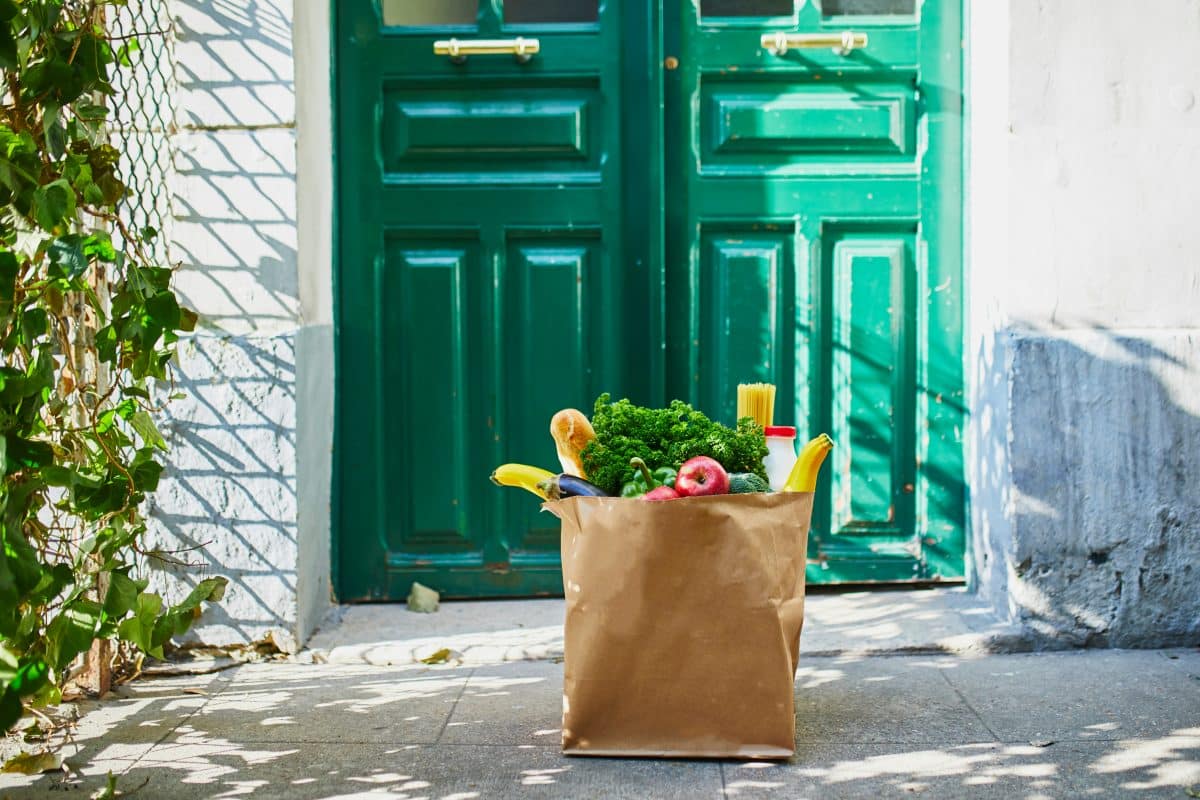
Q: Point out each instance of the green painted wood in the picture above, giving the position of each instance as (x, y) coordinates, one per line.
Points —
(484, 276)
(829, 185)
(508, 246)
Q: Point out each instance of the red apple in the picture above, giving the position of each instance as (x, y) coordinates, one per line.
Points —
(661, 493)
(701, 476)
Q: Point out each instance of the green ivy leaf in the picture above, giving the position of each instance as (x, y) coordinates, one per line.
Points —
(30, 677)
(48, 695)
(124, 51)
(146, 472)
(23, 453)
(144, 628)
(67, 253)
(209, 590)
(122, 594)
(163, 310)
(9, 267)
(54, 204)
(72, 632)
(10, 709)
(9, 664)
(143, 423)
(8, 46)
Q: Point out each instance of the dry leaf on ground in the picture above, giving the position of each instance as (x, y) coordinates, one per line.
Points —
(33, 763)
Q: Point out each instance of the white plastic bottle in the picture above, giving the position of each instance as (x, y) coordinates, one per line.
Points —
(781, 454)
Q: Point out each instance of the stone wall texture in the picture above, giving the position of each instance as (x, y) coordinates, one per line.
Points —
(1103, 461)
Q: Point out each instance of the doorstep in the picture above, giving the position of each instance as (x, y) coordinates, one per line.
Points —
(881, 622)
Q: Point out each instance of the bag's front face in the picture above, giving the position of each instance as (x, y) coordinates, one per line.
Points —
(683, 623)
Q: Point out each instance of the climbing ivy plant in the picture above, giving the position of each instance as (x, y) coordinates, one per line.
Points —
(88, 322)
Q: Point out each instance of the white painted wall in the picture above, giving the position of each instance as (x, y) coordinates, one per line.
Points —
(1084, 262)
(248, 475)
(1105, 145)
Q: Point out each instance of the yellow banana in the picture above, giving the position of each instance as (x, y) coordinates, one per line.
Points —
(803, 477)
(522, 476)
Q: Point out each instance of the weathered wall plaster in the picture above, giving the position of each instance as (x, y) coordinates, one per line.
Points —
(1084, 263)
(248, 475)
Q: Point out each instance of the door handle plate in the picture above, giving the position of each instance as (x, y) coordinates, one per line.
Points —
(520, 48)
(843, 43)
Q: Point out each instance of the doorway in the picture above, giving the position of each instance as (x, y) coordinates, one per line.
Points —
(654, 202)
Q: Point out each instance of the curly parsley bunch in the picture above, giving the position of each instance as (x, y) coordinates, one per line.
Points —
(665, 437)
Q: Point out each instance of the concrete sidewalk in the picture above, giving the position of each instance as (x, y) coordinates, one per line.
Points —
(879, 622)
(972, 724)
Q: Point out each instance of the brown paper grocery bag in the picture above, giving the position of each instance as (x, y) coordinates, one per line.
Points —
(683, 624)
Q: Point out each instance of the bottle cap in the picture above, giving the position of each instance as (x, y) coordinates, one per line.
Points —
(787, 431)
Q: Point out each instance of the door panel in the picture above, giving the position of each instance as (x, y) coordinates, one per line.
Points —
(758, 127)
(427, 293)
(744, 287)
(834, 167)
(526, 131)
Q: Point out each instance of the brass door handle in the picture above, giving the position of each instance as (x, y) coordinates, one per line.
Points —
(520, 48)
(842, 43)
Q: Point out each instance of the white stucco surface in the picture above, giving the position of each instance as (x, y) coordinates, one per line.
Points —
(1103, 120)
(248, 477)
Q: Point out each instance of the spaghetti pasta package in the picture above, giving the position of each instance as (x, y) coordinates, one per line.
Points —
(683, 624)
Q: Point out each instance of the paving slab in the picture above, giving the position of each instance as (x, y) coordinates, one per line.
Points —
(478, 632)
(329, 703)
(514, 703)
(982, 770)
(375, 771)
(111, 734)
(1081, 695)
(861, 699)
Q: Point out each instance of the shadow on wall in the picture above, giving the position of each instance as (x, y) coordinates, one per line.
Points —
(235, 165)
(1104, 546)
(234, 63)
(228, 498)
(228, 495)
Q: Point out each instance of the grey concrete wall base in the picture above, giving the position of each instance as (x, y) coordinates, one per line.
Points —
(314, 461)
(1097, 542)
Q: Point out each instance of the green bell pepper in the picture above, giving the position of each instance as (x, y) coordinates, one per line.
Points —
(644, 480)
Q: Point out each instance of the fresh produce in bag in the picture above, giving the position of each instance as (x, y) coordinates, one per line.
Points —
(683, 618)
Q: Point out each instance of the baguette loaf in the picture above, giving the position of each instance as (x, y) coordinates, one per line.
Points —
(572, 432)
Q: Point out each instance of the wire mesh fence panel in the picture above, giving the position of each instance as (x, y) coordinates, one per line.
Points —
(143, 114)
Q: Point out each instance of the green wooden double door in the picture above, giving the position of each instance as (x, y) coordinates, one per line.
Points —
(656, 200)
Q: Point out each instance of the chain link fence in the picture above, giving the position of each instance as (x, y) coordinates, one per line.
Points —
(143, 114)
